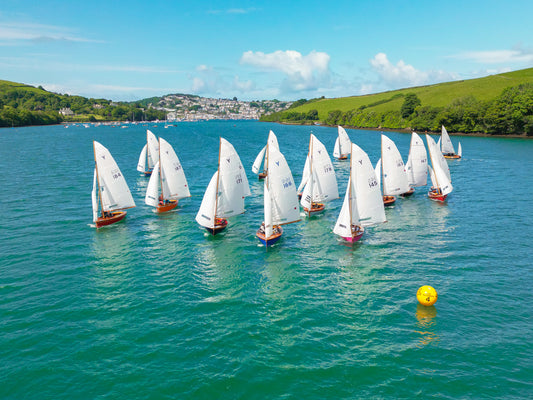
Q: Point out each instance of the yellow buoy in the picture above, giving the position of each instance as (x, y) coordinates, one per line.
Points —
(426, 295)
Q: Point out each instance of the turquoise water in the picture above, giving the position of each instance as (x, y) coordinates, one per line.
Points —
(153, 308)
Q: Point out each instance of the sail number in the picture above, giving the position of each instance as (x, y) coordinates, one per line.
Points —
(287, 182)
(238, 178)
(116, 174)
(372, 182)
(328, 168)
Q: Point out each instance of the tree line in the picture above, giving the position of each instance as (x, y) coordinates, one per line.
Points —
(511, 113)
(26, 105)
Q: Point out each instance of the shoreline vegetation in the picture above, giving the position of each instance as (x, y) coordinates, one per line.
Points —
(496, 105)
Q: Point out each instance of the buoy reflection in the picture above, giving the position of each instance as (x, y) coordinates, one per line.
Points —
(426, 322)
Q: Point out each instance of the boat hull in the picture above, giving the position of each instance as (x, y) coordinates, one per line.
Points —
(452, 156)
(343, 157)
(262, 175)
(389, 200)
(161, 208)
(408, 193)
(220, 225)
(356, 235)
(434, 195)
(272, 239)
(115, 217)
(315, 208)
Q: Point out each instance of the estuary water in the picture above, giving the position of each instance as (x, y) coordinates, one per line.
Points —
(154, 308)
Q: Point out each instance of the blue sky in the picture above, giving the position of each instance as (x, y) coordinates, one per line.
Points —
(128, 50)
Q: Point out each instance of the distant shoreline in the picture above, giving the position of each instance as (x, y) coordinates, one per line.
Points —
(475, 134)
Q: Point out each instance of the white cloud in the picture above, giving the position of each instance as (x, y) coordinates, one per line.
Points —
(301, 72)
(497, 56)
(241, 86)
(402, 74)
(29, 32)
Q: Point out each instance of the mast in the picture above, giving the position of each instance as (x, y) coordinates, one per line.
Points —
(160, 169)
(310, 173)
(350, 184)
(98, 181)
(218, 178)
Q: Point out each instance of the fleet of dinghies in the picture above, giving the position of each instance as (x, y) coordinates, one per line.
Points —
(369, 190)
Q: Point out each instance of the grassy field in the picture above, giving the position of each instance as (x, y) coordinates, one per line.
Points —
(439, 95)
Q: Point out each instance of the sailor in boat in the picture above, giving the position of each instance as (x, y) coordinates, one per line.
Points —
(275, 229)
(356, 230)
(163, 202)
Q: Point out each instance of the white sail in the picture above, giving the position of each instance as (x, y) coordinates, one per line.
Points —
(344, 142)
(152, 191)
(153, 149)
(392, 168)
(416, 168)
(206, 214)
(307, 195)
(272, 142)
(174, 182)
(305, 175)
(280, 184)
(437, 157)
(432, 177)
(368, 194)
(94, 197)
(258, 161)
(337, 149)
(325, 182)
(459, 150)
(349, 214)
(446, 143)
(114, 191)
(268, 212)
(233, 182)
(141, 165)
(377, 171)
(439, 176)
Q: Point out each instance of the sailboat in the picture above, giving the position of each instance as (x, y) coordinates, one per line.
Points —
(224, 196)
(417, 162)
(110, 194)
(446, 146)
(390, 171)
(273, 141)
(167, 184)
(319, 182)
(342, 145)
(363, 205)
(281, 202)
(439, 174)
(149, 154)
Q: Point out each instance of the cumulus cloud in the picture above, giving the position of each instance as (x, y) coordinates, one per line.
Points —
(402, 74)
(302, 72)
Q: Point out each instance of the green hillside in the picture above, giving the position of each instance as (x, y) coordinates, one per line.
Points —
(489, 105)
(22, 105)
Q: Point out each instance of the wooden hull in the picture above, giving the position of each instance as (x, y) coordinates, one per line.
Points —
(452, 156)
(408, 193)
(356, 235)
(315, 208)
(434, 195)
(220, 225)
(343, 157)
(272, 239)
(262, 175)
(115, 217)
(161, 208)
(389, 200)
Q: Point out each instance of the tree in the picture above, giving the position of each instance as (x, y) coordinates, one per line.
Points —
(409, 104)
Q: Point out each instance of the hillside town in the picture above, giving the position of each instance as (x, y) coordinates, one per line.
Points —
(183, 107)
